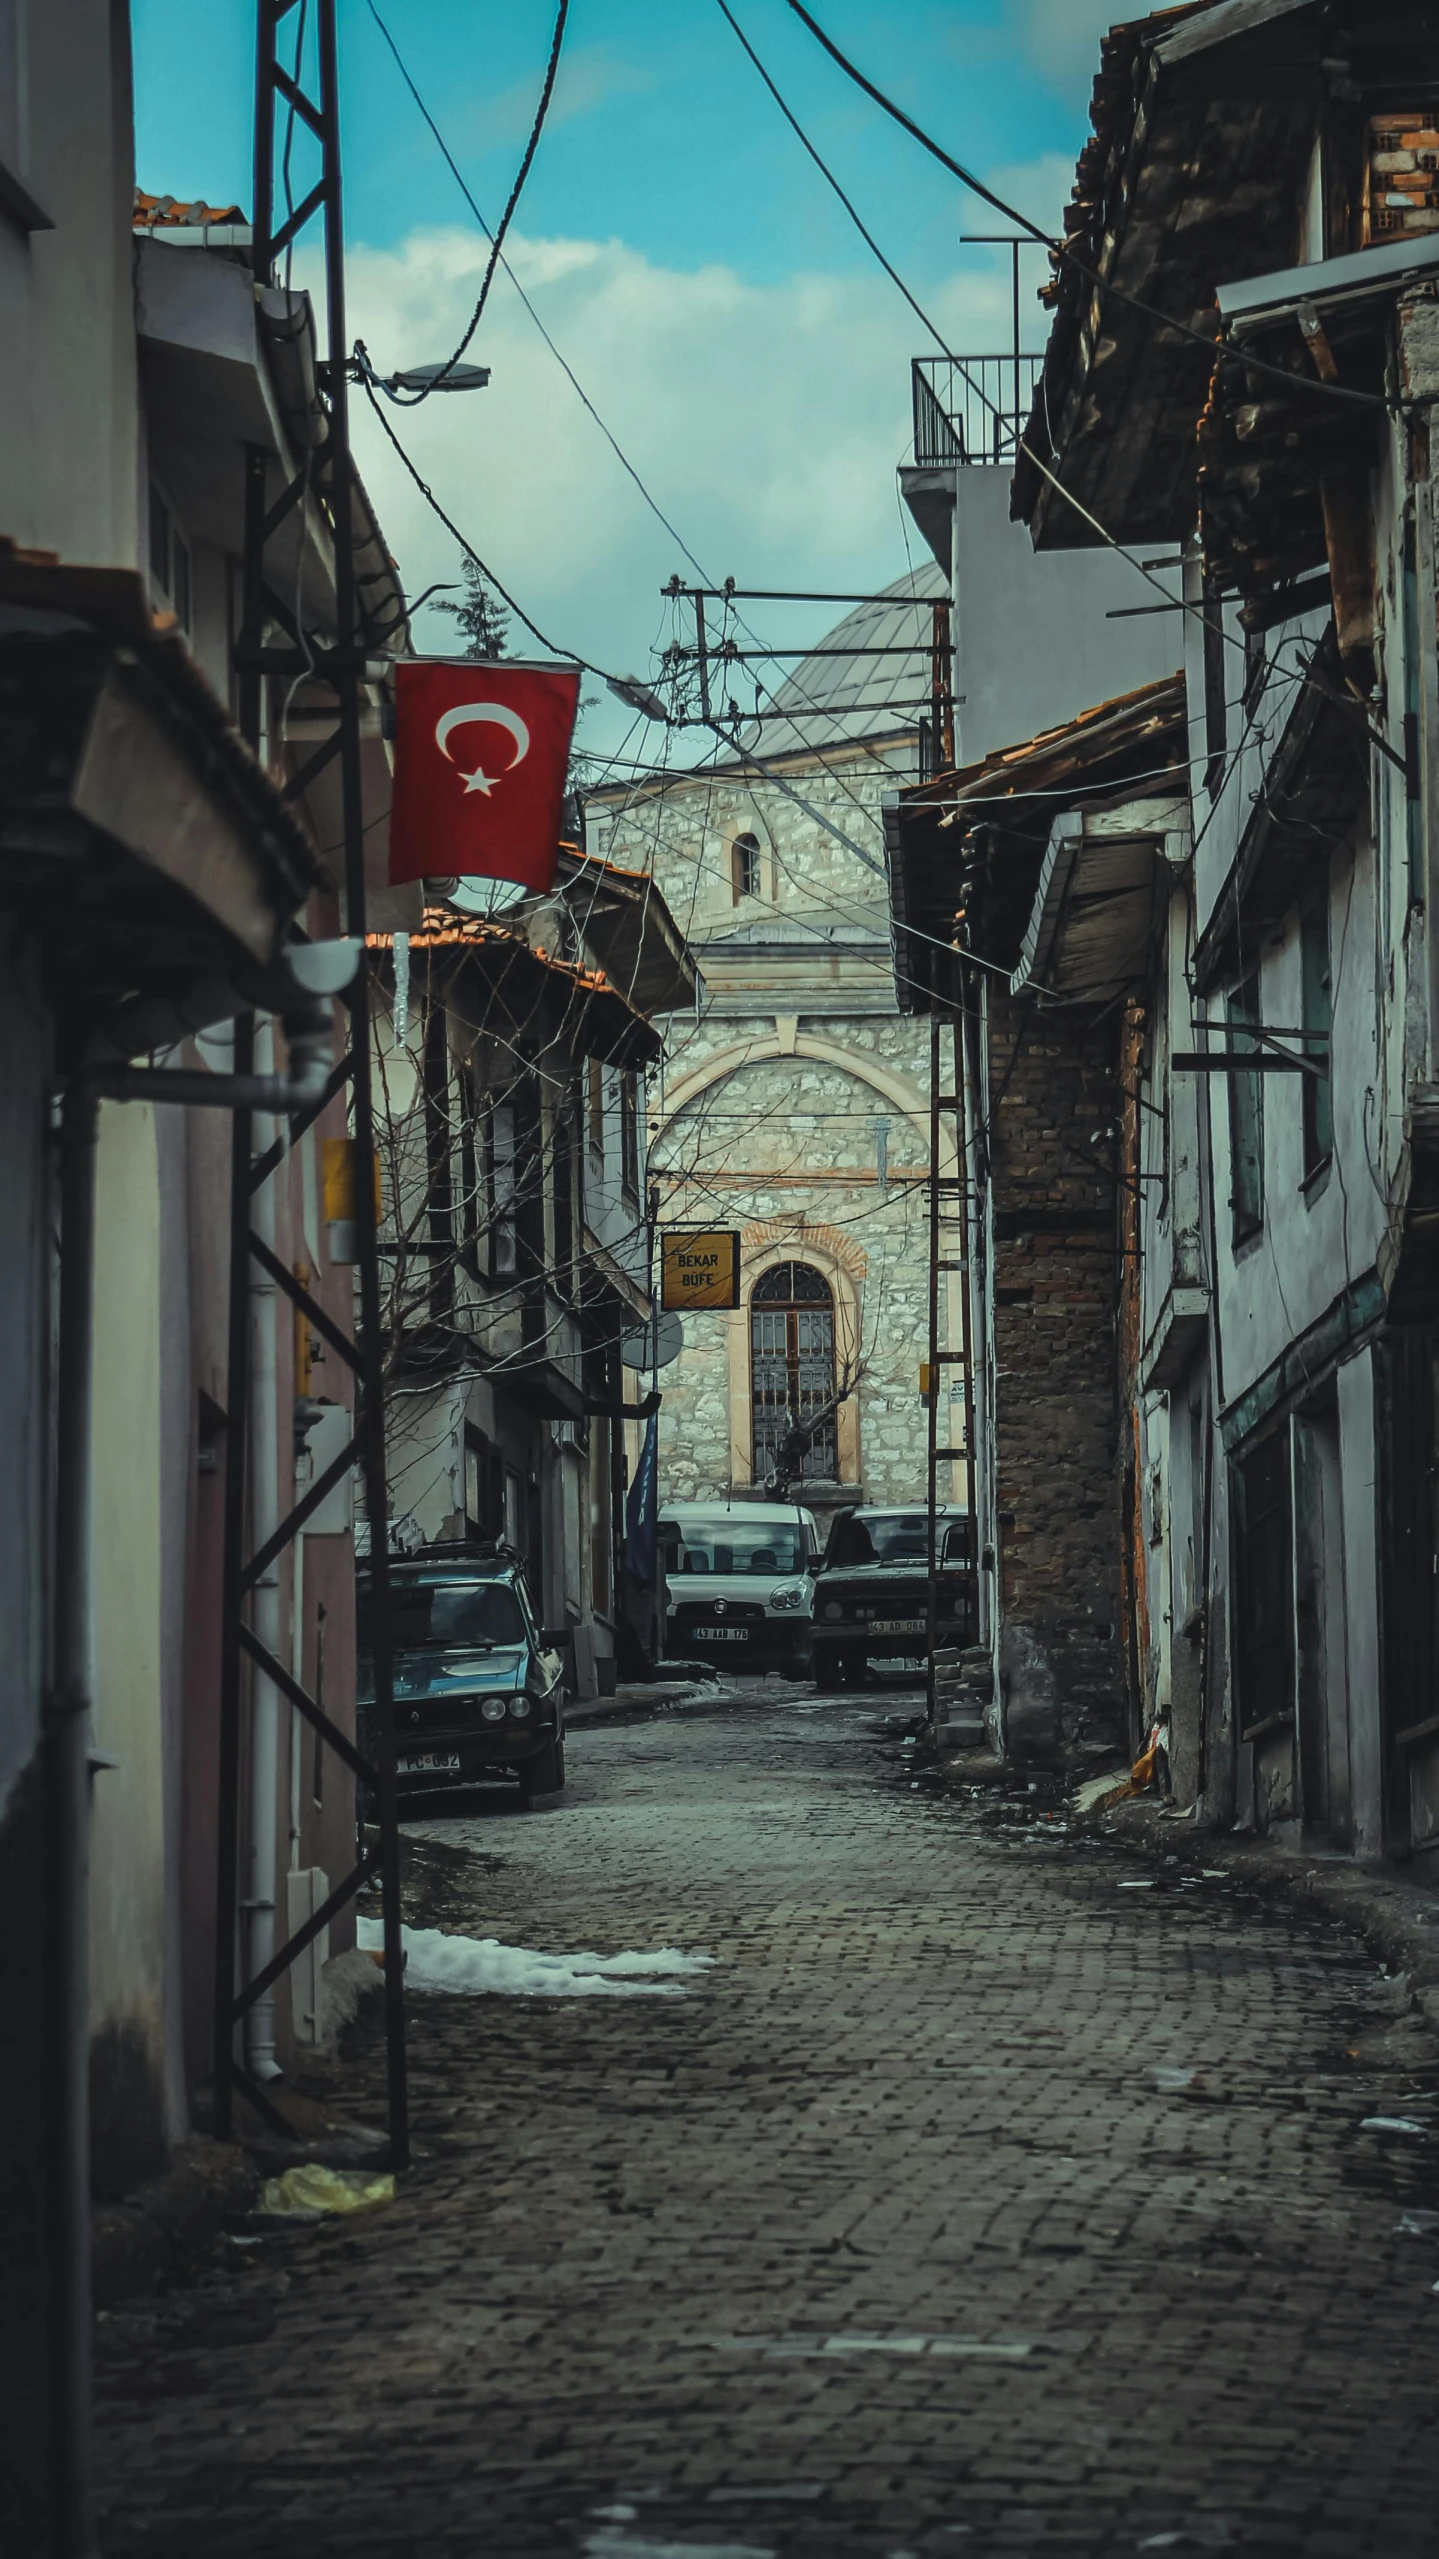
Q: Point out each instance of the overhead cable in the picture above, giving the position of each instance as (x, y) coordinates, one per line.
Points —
(1178, 602)
(1060, 248)
(566, 368)
(428, 494)
(412, 401)
(581, 394)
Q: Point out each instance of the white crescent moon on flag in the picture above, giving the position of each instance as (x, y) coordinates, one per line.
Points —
(495, 712)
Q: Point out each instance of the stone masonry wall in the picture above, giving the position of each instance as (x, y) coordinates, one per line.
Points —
(784, 1147)
(787, 1145)
(1056, 1421)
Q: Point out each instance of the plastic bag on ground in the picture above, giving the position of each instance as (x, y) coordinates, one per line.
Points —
(310, 2189)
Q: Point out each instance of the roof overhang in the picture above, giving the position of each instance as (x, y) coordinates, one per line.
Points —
(1090, 934)
(139, 838)
(539, 1012)
(967, 851)
(622, 916)
(1191, 188)
(1362, 275)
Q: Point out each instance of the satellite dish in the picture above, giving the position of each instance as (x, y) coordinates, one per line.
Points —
(638, 1349)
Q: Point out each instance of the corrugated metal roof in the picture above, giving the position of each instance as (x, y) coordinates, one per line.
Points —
(887, 694)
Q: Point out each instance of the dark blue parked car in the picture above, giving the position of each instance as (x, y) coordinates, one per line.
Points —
(478, 1686)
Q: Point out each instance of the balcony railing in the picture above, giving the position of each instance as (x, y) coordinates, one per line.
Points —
(971, 409)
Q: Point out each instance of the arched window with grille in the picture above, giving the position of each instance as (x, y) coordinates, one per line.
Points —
(746, 860)
(792, 1371)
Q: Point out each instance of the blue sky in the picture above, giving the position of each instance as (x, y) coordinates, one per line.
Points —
(719, 308)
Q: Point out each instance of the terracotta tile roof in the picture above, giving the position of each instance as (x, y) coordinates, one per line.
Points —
(624, 1034)
(441, 929)
(166, 212)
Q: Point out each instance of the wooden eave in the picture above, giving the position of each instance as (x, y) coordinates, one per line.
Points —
(1194, 177)
(971, 844)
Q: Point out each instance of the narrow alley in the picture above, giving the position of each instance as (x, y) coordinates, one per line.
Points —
(996, 2190)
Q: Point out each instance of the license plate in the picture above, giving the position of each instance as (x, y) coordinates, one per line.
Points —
(895, 1626)
(433, 1763)
(721, 1634)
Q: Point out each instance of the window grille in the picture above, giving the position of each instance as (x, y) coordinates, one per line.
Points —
(792, 1368)
(745, 854)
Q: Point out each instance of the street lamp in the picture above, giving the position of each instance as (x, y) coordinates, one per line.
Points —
(419, 380)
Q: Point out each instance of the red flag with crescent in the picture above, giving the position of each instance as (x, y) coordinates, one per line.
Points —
(481, 753)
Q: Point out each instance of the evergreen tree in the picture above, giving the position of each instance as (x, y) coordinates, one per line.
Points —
(481, 616)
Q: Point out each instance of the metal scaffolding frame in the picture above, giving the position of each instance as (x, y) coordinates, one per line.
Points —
(327, 476)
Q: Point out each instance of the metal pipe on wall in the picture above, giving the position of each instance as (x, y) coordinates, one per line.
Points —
(68, 1757)
(262, 1865)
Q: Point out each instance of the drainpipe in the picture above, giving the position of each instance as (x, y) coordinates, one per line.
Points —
(72, 2519)
(259, 1902)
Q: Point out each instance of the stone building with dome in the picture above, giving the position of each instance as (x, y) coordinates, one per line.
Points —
(795, 1108)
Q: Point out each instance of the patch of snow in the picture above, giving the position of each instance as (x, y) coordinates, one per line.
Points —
(435, 1960)
(610, 2544)
(858, 2342)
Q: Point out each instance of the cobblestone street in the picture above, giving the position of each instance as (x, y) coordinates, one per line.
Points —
(994, 2193)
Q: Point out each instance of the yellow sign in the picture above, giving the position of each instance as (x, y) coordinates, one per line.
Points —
(339, 1179)
(698, 1268)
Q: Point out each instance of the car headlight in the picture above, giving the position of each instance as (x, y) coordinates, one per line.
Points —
(519, 1707)
(493, 1709)
(833, 1608)
(788, 1595)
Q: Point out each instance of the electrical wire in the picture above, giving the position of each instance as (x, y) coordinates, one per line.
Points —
(1178, 602)
(1059, 248)
(566, 368)
(497, 242)
(431, 501)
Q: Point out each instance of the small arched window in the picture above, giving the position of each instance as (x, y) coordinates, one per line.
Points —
(745, 859)
(792, 1375)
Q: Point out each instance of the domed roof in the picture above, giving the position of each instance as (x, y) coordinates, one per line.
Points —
(828, 699)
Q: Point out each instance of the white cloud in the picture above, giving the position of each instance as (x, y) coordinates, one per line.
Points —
(1039, 188)
(766, 419)
(588, 77)
(1061, 37)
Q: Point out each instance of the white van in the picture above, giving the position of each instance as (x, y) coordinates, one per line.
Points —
(740, 1583)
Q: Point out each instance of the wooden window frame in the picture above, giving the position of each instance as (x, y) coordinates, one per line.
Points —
(746, 855)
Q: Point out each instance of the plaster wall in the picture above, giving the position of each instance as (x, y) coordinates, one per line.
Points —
(26, 2138)
(1317, 1235)
(1031, 639)
(1173, 1243)
(68, 479)
(132, 2117)
(1222, 813)
(24, 1065)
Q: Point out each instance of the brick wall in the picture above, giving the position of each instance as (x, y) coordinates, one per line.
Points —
(1053, 1086)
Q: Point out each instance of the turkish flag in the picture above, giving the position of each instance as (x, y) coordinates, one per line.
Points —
(480, 758)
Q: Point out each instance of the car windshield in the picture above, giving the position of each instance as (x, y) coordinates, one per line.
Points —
(424, 1614)
(893, 1537)
(734, 1546)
